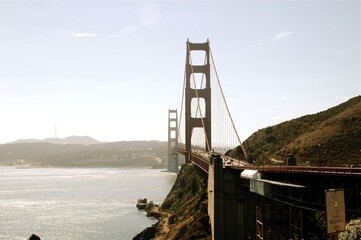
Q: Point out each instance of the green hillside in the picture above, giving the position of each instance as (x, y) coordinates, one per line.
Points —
(337, 131)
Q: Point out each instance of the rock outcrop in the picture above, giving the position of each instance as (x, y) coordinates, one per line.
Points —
(34, 237)
(183, 214)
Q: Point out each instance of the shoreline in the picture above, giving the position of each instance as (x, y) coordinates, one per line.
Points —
(74, 167)
(183, 213)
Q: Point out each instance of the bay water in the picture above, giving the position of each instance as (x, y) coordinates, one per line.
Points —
(78, 203)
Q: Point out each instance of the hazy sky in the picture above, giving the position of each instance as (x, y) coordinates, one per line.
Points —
(112, 69)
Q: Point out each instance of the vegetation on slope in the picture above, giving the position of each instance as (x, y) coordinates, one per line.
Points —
(336, 131)
(187, 202)
(353, 231)
(184, 211)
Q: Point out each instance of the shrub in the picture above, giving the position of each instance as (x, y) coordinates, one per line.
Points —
(353, 231)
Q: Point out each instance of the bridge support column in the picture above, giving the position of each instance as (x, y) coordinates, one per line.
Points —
(215, 197)
(231, 207)
(239, 207)
(172, 161)
(194, 92)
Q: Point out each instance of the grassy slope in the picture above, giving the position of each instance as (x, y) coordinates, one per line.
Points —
(338, 129)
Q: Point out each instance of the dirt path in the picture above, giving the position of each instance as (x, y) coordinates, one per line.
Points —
(163, 225)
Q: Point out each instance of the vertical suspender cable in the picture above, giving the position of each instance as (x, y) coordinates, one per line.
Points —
(229, 114)
(183, 94)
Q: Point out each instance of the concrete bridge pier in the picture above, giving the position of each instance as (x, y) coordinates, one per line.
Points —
(231, 207)
(246, 215)
(215, 196)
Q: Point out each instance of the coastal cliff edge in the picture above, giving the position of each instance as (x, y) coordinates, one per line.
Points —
(183, 214)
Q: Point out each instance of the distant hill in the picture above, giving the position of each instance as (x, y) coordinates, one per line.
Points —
(84, 140)
(112, 154)
(337, 129)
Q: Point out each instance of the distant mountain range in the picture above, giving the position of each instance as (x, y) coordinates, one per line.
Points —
(83, 140)
(112, 154)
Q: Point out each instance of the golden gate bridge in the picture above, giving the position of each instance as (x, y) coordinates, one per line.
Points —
(246, 201)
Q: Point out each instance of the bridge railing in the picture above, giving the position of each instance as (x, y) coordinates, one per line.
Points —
(201, 158)
(339, 171)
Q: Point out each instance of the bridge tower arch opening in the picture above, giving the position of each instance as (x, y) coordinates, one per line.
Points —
(197, 91)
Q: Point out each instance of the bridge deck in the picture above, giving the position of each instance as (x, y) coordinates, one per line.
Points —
(339, 171)
(314, 179)
(201, 159)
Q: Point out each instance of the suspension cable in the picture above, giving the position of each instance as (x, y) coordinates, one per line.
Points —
(225, 102)
(183, 95)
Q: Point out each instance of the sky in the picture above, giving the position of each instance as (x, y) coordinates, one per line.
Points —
(111, 69)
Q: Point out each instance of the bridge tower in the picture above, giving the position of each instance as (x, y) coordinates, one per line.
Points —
(172, 164)
(193, 93)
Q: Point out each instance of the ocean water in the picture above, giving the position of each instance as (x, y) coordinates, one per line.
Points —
(77, 203)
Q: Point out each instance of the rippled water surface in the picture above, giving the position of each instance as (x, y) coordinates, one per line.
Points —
(57, 203)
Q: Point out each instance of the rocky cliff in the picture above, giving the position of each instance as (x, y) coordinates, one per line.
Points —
(183, 214)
